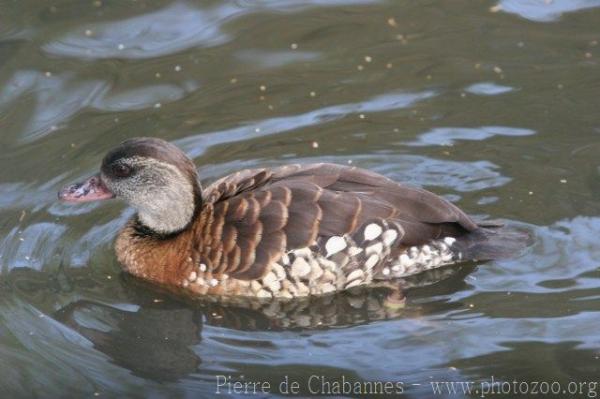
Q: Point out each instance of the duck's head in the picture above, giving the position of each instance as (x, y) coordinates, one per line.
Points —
(153, 176)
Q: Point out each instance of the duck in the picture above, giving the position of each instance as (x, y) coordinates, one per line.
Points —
(290, 231)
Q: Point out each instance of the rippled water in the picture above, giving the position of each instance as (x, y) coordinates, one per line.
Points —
(494, 105)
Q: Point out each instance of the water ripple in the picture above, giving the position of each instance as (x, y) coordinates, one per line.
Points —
(460, 176)
(176, 27)
(197, 145)
(143, 97)
(98, 236)
(38, 97)
(546, 11)
(488, 89)
(33, 247)
(50, 346)
(167, 31)
(565, 250)
(275, 59)
(448, 135)
(29, 195)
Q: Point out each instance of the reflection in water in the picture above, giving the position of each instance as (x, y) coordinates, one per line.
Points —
(157, 336)
(153, 341)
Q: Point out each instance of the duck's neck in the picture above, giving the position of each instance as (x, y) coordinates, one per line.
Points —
(170, 213)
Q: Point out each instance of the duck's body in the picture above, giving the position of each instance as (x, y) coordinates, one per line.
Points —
(285, 232)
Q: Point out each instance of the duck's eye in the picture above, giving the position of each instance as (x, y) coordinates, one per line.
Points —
(121, 170)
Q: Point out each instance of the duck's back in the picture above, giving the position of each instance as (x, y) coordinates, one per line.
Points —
(317, 228)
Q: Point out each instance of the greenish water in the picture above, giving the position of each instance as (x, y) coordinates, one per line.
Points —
(495, 106)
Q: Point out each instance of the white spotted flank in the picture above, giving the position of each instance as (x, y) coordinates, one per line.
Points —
(372, 231)
(449, 241)
(334, 245)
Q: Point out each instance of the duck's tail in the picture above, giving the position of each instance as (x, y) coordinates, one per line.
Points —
(493, 240)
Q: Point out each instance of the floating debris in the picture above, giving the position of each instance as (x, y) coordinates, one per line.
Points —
(177, 68)
(88, 32)
(496, 8)
(294, 46)
(314, 144)
(263, 88)
(563, 181)
(121, 46)
(368, 58)
(313, 94)
(392, 22)
(402, 39)
(233, 80)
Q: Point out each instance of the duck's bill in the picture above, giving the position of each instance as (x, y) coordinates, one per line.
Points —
(90, 190)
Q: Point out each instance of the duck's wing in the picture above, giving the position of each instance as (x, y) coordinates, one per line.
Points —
(236, 183)
(258, 215)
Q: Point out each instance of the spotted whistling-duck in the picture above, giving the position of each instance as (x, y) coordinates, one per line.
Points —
(282, 232)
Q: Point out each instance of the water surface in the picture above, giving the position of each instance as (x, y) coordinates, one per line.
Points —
(493, 105)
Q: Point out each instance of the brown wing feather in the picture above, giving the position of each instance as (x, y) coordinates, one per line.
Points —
(259, 214)
(235, 183)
